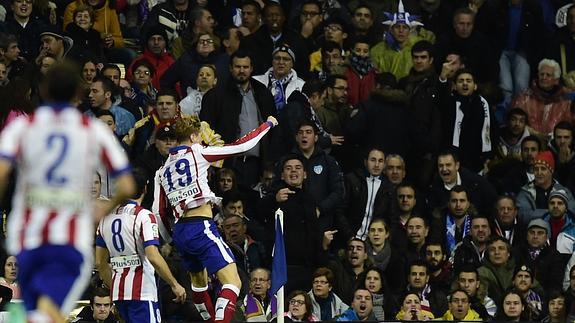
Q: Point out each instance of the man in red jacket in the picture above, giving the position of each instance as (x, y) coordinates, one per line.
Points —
(156, 53)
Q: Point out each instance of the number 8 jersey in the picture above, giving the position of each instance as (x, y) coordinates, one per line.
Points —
(57, 150)
(182, 183)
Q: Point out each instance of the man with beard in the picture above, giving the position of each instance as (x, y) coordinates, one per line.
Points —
(471, 250)
(421, 88)
(522, 173)
(467, 121)
(523, 283)
(479, 191)
(361, 307)
(347, 271)
(432, 299)
(236, 107)
(439, 266)
(450, 225)
(512, 135)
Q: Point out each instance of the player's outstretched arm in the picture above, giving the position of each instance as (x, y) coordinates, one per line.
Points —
(104, 270)
(153, 254)
(241, 145)
(5, 168)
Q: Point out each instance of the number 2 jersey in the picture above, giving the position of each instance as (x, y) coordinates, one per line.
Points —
(182, 183)
(126, 233)
(56, 151)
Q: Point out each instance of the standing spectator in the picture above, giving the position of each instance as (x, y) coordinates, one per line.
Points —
(521, 174)
(545, 100)
(439, 265)
(173, 16)
(507, 225)
(468, 280)
(512, 134)
(10, 55)
(384, 304)
(106, 21)
(233, 108)
(433, 299)
(562, 45)
(562, 222)
(368, 196)
(533, 198)
(101, 97)
(251, 17)
(21, 24)
(393, 53)
(364, 24)
(335, 33)
(250, 254)
(471, 251)
(156, 53)
(281, 79)
(562, 147)
(310, 23)
(360, 74)
(273, 33)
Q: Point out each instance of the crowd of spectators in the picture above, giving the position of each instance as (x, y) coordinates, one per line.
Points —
(424, 159)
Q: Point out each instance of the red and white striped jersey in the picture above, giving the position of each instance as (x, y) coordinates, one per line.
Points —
(126, 233)
(56, 151)
(182, 183)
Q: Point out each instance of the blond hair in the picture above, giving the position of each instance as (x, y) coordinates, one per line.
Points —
(187, 126)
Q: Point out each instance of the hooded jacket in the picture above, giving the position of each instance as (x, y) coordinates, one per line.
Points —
(160, 62)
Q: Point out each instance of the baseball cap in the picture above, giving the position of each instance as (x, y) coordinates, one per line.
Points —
(166, 132)
(539, 223)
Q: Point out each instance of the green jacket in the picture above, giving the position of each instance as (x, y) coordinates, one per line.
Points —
(388, 59)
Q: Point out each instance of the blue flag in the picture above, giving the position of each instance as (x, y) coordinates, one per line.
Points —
(279, 266)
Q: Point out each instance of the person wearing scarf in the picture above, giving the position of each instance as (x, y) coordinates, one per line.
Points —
(281, 79)
(454, 223)
(361, 73)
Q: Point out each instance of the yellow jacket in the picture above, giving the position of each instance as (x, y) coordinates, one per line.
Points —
(471, 316)
(106, 21)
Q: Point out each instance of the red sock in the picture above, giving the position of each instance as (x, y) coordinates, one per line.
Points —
(226, 303)
(203, 303)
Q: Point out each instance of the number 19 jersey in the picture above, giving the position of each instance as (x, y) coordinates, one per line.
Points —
(57, 151)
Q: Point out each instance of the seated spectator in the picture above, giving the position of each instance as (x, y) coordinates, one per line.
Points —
(259, 304)
(556, 307)
(545, 261)
(281, 79)
(562, 146)
(545, 101)
(205, 80)
(439, 265)
(395, 171)
(523, 284)
(21, 23)
(459, 308)
(379, 249)
(533, 198)
(361, 307)
(522, 173)
(89, 71)
(99, 310)
(411, 309)
(468, 280)
(384, 304)
(433, 299)
(326, 304)
(332, 61)
(55, 43)
(249, 254)
(87, 41)
(512, 134)
(562, 222)
(10, 55)
(124, 95)
(9, 275)
(507, 225)
(496, 274)
(471, 250)
(360, 74)
(205, 50)
(106, 21)
(299, 308)
(142, 87)
(512, 308)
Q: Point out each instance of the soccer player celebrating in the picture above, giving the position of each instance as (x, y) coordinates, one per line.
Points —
(51, 228)
(182, 190)
(130, 236)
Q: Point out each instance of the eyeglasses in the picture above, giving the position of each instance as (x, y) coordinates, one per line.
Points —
(296, 302)
(258, 280)
(340, 88)
(309, 14)
(142, 72)
(333, 28)
(320, 282)
(206, 41)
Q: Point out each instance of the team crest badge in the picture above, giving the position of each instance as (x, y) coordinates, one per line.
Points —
(317, 169)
